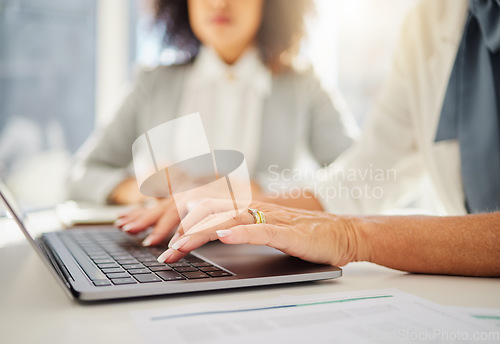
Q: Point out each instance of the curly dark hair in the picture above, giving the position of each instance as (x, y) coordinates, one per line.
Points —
(278, 38)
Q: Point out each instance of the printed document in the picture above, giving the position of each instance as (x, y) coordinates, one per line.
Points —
(374, 316)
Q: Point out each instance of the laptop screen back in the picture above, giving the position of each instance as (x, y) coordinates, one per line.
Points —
(10, 207)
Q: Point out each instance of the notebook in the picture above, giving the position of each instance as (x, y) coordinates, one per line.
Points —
(95, 263)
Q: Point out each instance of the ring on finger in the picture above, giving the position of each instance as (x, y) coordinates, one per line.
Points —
(258, 216)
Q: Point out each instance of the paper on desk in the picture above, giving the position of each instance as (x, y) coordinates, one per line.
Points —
(376, 316)
(486, 315)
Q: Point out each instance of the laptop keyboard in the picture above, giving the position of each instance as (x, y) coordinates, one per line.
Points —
(113, 258)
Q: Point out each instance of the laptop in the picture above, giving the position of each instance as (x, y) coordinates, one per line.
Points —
(104, 263)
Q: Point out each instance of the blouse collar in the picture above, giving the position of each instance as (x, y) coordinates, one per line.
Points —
(209, 68)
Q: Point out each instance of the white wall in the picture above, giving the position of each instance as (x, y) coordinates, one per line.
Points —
(112, 56)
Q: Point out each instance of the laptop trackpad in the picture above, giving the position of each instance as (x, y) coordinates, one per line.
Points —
(257, 261)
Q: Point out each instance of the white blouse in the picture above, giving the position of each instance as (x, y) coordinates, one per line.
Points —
(230, 99)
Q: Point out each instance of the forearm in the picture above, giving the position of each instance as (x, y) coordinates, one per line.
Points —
(94, 183)
(127, 192)
(461, 245)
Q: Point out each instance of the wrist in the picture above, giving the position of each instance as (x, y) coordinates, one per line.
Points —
(126, 192)
(113, 197)
(360, 230)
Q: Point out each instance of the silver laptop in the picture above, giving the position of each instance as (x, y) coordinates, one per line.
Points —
(103, 263)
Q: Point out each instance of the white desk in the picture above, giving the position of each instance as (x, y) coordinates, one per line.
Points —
(34, 308)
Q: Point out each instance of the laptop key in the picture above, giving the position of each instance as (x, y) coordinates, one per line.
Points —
(155, 251)
(147, 259)
(199, 264)
(139, 271)
(92, 249)
(94, 252)
(101, 283)
(103, 260)
(195, 274)
(160, 268)
(143, 278)
(127, 261)
(218, 273)
(128, 280)
(122, 256)
(209, 268)
(98, 256)
(108, 265)
(155, 263)
(179, 264)
(112, 270)
(132, 266)
(118, 275)
(186, 269)
(193, 259)
(141, 253)
(170, 275)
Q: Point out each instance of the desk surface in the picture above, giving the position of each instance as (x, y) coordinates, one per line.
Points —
(34, 308)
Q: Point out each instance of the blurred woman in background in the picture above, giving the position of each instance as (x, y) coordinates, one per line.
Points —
(240, 76)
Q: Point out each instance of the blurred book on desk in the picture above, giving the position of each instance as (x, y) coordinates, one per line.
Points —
(73, 213)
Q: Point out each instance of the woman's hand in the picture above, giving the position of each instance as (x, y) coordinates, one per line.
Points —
(164, 216)
(310, 235)
(167, 214)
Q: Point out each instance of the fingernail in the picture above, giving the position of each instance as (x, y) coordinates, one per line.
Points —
(128, 227)
(147, 241)
(179, 243)
(165, 255)
(118, 222)
(174, 239)
(224, 233)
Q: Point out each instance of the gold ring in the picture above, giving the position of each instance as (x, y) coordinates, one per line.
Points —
(258, 216)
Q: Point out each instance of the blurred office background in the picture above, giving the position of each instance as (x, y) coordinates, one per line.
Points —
(64, 65)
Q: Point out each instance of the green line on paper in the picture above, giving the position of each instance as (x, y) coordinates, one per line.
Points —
(186, 315)
(492, 317)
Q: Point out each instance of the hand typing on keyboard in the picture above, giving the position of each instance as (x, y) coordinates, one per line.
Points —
(166, 215)
(315, 236)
